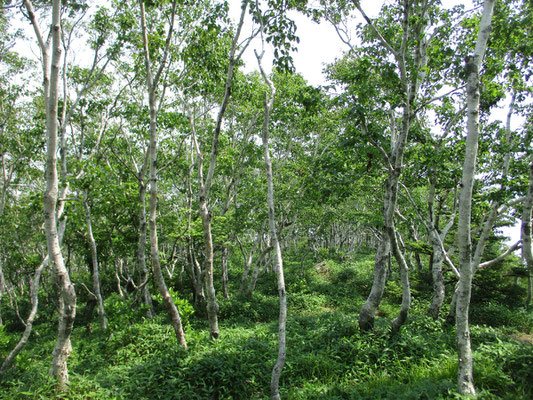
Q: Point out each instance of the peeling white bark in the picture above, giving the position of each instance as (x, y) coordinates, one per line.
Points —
(465, 378)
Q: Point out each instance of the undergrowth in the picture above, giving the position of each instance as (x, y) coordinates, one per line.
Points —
(328, 357)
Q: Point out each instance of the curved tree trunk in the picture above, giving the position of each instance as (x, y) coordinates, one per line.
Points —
(410, 85)
(205, 185)
(465, 378)
(67, 294)
(94, 264)
(152, 82)
(8, 361)
(368, 312)
(397, 322)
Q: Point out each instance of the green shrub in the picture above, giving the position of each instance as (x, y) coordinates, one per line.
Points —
(498, 315)
(185, 308)
(121, 312)
(244, 309)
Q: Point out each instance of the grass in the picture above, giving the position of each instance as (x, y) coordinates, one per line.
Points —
(328, 357)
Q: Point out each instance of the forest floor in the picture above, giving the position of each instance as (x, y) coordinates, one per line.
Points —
(328, 357)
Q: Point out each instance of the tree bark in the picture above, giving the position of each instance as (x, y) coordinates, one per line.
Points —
(465, 378)
(3, 287)
(141, 246)
(94, 264)
(152, 81)
(397, 322)
(410, 86)
(527, 247)
(205, 186)
(278, 259)
(8, 361)
(225, 279)
(67, 294)
(436, 273)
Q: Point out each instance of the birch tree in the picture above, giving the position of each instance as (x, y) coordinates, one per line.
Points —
(465, 378)
(206, 182)
(155, 99)
(527, 247)
(51, 59)
(278, 259)
(401, 80)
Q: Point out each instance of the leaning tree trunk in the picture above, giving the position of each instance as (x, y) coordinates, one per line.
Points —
(410, 85)
(94, 264)
(397, 322)
(34, 292)
(152, 81)
(205, 185)
(465, 378)
(34, 298)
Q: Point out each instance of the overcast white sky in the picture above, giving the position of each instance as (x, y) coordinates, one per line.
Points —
(319, 43)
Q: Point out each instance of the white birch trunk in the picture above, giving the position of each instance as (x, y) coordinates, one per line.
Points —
(465, 379)
(67, 294)
(2, 285)
(141, 247)
(410, 86)
(154, 245)
(205, 187)
(278, 259)
(8, 361)
(436, 273)
(94, 263)
(527, 247)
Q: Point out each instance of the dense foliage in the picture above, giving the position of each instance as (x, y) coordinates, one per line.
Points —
(165, 230)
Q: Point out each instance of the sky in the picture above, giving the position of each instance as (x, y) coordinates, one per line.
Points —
(319, 43)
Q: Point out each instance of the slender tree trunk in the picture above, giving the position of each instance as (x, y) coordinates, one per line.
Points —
(205, 186)
(141, 247)
(197, 277)
(67, 294)
(225, 279)
(2, 285)
(465, 379)
(94, 261)
(8, 361)
(261, 263)
(196, 269)
(154, 245)
(410, 87)
(438, 278)
(368, 312)
(212, 305)
(527, 247)
(397, 322)
(248, 258)
(278, 259)
(152, 82)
